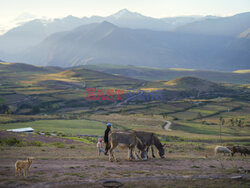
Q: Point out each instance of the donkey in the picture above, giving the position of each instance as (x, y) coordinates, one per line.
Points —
(150, 139)
(126, 140)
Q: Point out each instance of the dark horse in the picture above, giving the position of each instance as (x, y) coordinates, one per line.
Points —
(150, 139)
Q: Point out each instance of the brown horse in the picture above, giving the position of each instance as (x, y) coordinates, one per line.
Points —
(150, 139)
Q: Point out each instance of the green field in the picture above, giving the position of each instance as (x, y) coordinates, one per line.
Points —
(69, 127)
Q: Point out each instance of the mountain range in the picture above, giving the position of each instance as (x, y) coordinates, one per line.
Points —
(32, 32)
(133, 39)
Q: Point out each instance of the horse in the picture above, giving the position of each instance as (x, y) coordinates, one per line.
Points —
(129, 140)
(150, 139)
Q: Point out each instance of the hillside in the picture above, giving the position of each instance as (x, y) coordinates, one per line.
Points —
(207, 43)
(152, 74)
(227, 26)
(25, 86)
(21, 67)
(105, 42)
(190, 83)
(32, 32)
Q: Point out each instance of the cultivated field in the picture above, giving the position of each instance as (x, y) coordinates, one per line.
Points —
(53, 102)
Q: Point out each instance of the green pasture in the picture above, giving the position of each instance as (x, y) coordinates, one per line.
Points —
(69, 127)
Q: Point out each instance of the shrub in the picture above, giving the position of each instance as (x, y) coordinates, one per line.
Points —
(199, 148)
(10, 141)
(72, 147)
(36, 143)
(59, 145)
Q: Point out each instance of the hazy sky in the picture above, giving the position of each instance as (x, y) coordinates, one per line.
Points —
(10, 9)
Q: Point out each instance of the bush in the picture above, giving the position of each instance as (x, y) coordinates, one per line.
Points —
(13, 141)
(72, 147)
(10, 141)
(36, 143)
(199, 148)
(59, 145)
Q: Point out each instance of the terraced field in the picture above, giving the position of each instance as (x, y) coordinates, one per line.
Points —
(53, 102)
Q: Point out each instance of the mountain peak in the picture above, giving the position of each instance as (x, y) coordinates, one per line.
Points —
(122, 13)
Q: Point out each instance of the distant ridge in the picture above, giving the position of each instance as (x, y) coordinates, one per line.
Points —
(153, 74)
(129, 38)
(34, 31)
(101, 43)
(227, 26)
(22, 67)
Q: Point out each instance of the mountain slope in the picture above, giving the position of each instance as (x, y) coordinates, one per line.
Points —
(153, 74)
(33, 32)
(106, 43)
(228, 26)
(98, 43)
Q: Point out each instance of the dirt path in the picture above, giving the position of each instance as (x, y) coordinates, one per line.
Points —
(167, 125)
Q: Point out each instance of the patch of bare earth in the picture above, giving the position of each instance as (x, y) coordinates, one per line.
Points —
(79, 166)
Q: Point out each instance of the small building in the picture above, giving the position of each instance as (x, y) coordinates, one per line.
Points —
(27, 129)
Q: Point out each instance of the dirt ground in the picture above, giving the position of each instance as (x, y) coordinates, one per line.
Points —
(78, 165)
(59, 167)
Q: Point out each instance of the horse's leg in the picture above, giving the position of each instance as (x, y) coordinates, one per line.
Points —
(147, 150)
(113, 156)
(111, 152)
(129, 154)
(152, 149)
(136, 155)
